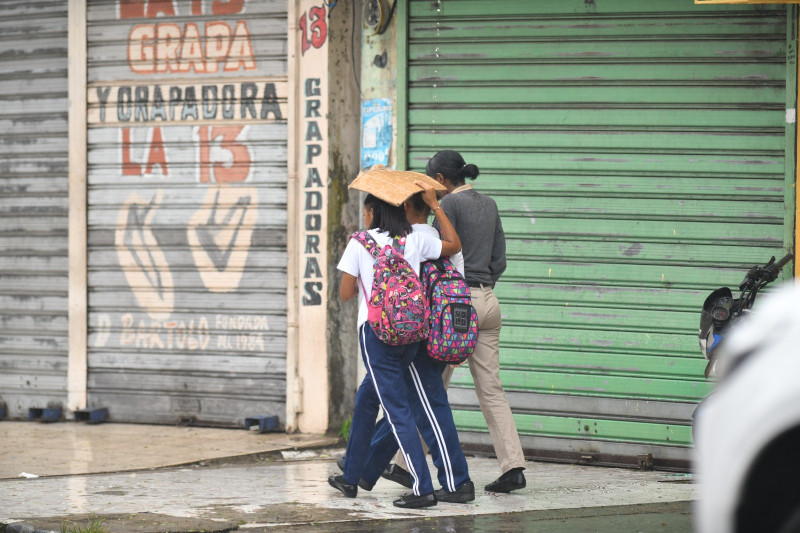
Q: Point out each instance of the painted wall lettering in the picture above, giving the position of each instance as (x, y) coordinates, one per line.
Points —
(156, 8)
(168, 47)
(149, 159)
(239, 333)
(234, 165)
(253, 102)
(314, 28)
(313, 189)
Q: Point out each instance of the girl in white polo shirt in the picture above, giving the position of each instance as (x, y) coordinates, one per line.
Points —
(383, 385)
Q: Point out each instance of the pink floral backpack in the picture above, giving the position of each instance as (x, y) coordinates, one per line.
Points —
(454, 321)
(396, 309)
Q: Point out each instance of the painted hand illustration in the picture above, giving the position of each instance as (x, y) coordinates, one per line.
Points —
(220, 236)
(142, 260)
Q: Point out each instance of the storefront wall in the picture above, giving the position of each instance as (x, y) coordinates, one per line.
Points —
(187, 209)
(33, 205)
(641, 154)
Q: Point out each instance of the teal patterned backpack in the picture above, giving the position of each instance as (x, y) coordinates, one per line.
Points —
(454, 322)
(396, 309)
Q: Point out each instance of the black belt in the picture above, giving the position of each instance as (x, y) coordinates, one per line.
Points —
(477, 285)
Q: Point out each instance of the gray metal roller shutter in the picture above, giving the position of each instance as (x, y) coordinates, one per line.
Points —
(187, 210)
(33, 204)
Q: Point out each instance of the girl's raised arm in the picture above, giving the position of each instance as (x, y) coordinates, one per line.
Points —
(451, 244)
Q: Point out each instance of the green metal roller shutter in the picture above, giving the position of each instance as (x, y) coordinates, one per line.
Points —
(641, 154)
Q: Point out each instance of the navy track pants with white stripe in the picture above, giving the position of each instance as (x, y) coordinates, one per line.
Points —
(384, 386)
(428, 399)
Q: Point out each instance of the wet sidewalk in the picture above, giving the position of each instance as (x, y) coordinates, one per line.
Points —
(72, 448)
(269, 490)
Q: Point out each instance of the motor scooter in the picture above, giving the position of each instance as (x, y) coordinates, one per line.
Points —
(721, 310)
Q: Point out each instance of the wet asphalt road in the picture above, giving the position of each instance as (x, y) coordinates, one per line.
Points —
(673, 517)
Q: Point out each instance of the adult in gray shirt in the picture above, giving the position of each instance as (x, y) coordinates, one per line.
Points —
(483, 243)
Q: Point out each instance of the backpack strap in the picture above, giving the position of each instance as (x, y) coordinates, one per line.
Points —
(363, 290)
(368, 242)
(399, 244)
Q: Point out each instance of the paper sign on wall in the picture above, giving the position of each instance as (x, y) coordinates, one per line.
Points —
(376, 131)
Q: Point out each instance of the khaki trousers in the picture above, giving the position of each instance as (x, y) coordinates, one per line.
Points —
(484, 365)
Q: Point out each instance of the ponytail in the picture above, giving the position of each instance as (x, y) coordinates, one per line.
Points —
(469, 171)
(451, 165)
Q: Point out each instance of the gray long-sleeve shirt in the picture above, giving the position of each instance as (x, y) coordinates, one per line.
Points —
(477, 222)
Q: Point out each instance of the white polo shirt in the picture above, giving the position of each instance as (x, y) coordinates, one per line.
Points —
(422, 244)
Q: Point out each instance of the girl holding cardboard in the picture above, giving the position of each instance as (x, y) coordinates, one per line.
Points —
(383, 385)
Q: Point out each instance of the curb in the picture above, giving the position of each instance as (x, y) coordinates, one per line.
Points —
(21, 527)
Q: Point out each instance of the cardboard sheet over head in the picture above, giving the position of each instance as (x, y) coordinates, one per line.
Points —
(392, 186)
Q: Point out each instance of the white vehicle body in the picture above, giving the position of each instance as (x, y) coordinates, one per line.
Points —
(756, 401)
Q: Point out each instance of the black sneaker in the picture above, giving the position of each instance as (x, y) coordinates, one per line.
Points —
(512, 480)
(361, 482)
(463, 494)
(398, 475)
(338, 482)
(410, 501)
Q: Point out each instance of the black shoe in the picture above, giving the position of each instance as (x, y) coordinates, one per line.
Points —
(361, 483)
(338, 482)
(398, 475)
(463, 494)
(512, 480)
(410, 501)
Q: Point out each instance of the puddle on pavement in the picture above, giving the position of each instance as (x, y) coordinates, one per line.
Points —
(283, 513)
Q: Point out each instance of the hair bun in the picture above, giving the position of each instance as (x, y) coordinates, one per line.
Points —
(470, 171)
